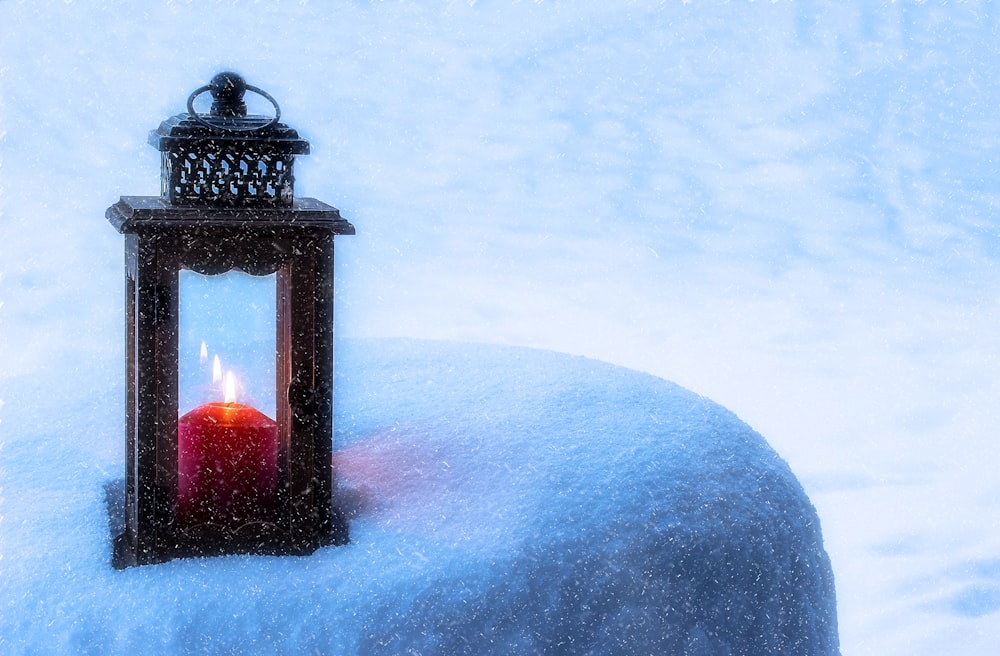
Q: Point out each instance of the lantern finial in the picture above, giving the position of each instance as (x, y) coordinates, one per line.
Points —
(227, 93)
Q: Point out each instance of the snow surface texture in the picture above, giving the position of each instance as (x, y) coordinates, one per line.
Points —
(789, 208)
(501, 501)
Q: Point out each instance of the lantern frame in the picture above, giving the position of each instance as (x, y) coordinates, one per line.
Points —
(272, 234)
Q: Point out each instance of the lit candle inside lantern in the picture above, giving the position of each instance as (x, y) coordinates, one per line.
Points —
(227, 462)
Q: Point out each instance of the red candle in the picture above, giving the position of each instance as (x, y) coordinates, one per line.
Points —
(227, 465)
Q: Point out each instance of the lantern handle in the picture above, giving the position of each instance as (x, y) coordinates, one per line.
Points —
(227, 90)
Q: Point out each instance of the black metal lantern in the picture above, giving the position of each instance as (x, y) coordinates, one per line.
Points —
(226, 477)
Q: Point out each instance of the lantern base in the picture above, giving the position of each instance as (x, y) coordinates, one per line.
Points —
(205, 540)
(266, 543)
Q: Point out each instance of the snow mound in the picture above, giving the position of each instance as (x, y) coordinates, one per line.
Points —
(501, 500)
(583, 508)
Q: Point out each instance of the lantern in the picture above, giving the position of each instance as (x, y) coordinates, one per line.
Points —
(238, 463)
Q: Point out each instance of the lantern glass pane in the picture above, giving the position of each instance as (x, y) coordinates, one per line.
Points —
(230, 318)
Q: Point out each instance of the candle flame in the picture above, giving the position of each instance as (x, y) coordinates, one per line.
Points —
(204, 352)
(230, 388)
(216, 370)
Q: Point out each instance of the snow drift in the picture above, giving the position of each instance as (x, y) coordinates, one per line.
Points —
(501, 500)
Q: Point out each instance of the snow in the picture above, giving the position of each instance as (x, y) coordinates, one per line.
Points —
(501, 500)
(785, 207)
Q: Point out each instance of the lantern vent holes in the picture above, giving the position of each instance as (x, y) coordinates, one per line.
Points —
(249, 178)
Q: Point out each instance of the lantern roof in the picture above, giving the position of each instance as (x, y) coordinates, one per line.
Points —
(227, 124)
(152, 215)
